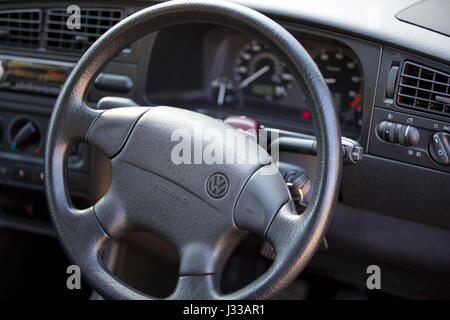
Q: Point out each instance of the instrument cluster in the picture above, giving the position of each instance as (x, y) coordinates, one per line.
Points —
(245, 76)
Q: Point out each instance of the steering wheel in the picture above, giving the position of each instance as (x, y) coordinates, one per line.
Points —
(205, 210)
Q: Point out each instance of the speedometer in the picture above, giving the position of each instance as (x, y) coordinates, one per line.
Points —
(261, 74)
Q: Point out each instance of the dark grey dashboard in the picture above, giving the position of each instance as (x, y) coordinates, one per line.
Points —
(389, 79)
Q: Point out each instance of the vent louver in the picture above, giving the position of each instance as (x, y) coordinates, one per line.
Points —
(424, 88)
(93, 23)
(20, 27)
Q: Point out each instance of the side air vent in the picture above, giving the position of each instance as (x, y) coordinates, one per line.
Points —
(93, 23)
(20, 27)
(424, 88)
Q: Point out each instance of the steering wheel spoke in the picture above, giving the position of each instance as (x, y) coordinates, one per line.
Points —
(112, 127)
(83, 228)
(207, 257)
(196, 287)
(111, 215)
(82, 225)
(75, 123)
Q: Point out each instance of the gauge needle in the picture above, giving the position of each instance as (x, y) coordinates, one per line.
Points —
(253, 77)
(221, 96)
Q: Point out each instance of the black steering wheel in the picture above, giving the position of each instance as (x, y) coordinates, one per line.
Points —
(204, 211)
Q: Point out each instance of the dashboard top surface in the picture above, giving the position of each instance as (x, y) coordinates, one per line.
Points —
(370, 19)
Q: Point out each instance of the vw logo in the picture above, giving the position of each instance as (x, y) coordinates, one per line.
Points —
(217, 185)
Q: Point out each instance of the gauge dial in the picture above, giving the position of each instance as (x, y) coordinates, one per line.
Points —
(343, 75)
(259, 73)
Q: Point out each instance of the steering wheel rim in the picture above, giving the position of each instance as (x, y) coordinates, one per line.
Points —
(83, 233)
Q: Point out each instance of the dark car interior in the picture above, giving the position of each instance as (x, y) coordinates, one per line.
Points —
(386, 195)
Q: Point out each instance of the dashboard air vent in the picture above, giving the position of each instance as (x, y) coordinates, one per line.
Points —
(20, 27)
(93, 23)
(424, 88)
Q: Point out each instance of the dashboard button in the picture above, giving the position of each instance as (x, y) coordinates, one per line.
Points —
(380, 129)
(412, 136)
(398, 133)
(387, 131)
(402, 136)
(391, 137)
(38, 177)
(24, 174)
(391, 80)
(439, 148)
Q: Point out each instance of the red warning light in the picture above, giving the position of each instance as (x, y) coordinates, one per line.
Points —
(305, 114)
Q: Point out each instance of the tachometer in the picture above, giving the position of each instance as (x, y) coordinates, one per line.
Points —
(343, 75)
(261, 74)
